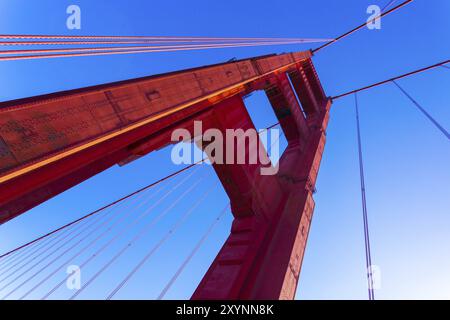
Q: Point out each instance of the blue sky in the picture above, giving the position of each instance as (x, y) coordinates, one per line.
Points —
(406, 158)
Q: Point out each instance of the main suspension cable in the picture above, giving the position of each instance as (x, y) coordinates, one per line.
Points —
(134, 51)
(126, 48)
(177, 42)
(158, 38)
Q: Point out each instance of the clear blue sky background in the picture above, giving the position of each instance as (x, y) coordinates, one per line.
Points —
(407, 159)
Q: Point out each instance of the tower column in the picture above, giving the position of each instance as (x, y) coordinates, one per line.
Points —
(261, 259)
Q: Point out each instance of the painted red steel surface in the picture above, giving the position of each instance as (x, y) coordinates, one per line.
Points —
(36, 129)
(49, 144)
(262, 257)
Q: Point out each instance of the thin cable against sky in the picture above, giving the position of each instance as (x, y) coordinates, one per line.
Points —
(361, 26)
(101, 51)
(390, 80)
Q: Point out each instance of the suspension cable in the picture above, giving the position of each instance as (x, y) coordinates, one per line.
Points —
(110, 218)
(19, 255)
(127, 48)
(434, 121)
(52, 239)
(55, 251)
(164, 239)
(160, 43)
(91, 243)
(153, 184)
(206, 235)
(388, 5)
(364, 208)
(391, 79)
(7, 260)
(143, 232)
(64, 240)
(64, 228)
(133, 206)
(193, 252)
(121, 233)
(361, 26)
(132, 51)
(105, 207)
(168, 38)
(44, 246)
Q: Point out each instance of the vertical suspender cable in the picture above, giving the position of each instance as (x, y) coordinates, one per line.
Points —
(364, 208)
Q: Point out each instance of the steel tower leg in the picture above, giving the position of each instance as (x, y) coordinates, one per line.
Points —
(261, 259)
